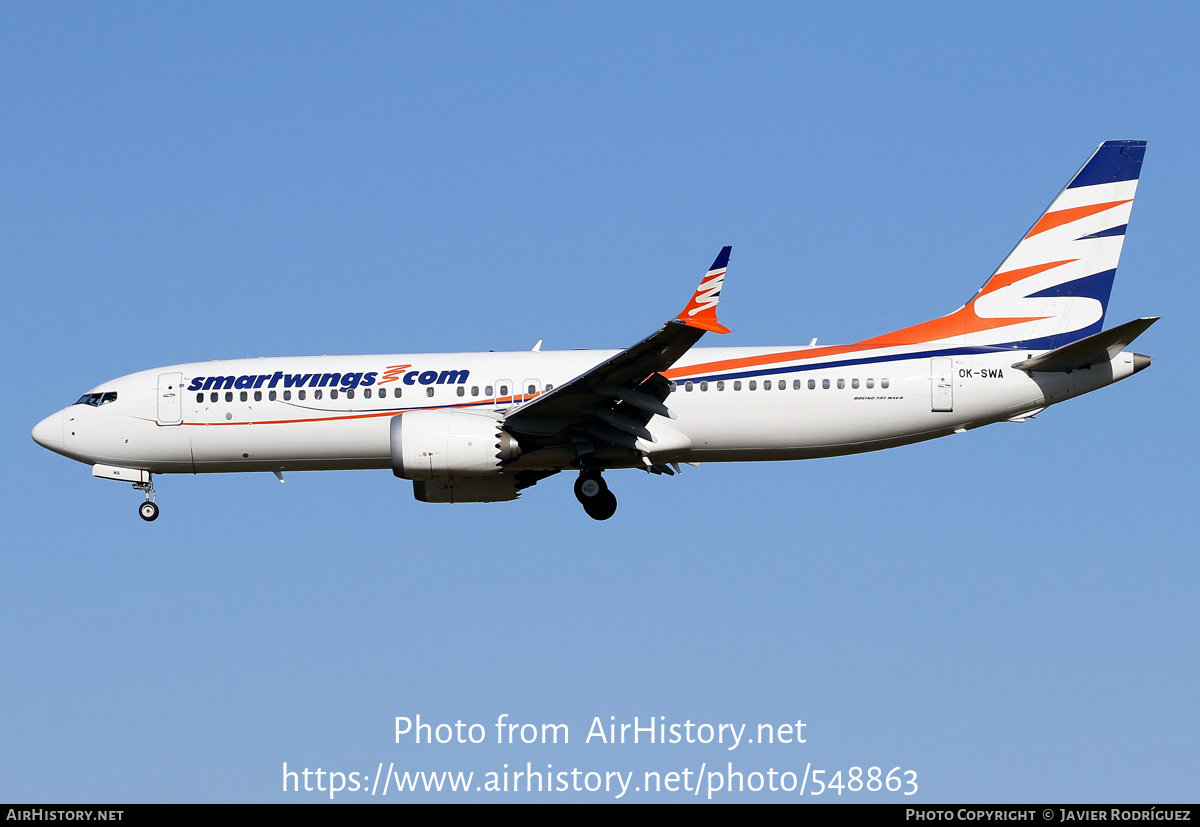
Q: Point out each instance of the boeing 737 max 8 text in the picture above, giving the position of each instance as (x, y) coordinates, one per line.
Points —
(482, 427)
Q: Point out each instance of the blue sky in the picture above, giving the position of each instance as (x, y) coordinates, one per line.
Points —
(1010, 613)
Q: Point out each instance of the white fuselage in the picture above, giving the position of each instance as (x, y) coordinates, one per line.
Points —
(731, 404)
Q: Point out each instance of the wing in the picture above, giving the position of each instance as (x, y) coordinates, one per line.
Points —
(613, 402)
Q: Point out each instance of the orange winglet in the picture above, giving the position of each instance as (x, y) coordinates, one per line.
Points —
(701, 311)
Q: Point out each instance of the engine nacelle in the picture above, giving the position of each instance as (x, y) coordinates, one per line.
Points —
(449, 444)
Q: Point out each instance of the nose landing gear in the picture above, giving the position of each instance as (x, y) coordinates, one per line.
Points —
(592, 492)
(148, 510)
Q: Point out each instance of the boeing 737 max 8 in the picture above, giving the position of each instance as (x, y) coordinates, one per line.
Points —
(482, 427)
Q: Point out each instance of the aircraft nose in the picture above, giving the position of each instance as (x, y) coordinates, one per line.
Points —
(49, 432)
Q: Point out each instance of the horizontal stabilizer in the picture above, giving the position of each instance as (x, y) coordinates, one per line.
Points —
(1091, 350)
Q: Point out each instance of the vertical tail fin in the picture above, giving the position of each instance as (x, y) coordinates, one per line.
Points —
(1053, 288)
(1060, 275)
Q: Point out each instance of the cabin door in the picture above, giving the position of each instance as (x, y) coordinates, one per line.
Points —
(942, 383)
(170, 398)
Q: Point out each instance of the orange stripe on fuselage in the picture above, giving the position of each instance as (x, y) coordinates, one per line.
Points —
(501, 400)
(755, 361)
(307, 419)
(959, 323)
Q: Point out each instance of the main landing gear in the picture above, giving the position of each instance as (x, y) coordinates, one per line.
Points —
(148, 510)
(592, 492)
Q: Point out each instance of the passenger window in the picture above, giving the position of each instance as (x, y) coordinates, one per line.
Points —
(529, 391)
(549, 387)
(271, 396)
(812, 384)
(687, 386)
(870, 383)
(795, 384)
(350, 393)
(737, 384)
(503, 390)
(287, 396)
(825, 384)
(854, 384)
(333, 394)
(474, 390)
(258, 396)
(429, 391)
(883, 383)
(461, 390)
(300, 396)
(487, 391)
(841, 384)
(244, 397)
(720, 384)
(766, 384)
(199, 397)
(318, 393)
(704, 386)
(753, 385)
(228, 396)
(366, 393)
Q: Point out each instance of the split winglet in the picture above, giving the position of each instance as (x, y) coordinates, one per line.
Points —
(701, 311)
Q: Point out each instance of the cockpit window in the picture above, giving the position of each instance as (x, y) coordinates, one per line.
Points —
(97, 399)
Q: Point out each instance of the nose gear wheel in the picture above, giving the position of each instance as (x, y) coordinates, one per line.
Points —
(148, 510)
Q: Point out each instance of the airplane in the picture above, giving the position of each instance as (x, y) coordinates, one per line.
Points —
(483, 427)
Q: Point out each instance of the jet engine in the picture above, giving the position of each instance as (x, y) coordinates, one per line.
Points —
(449, 444)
